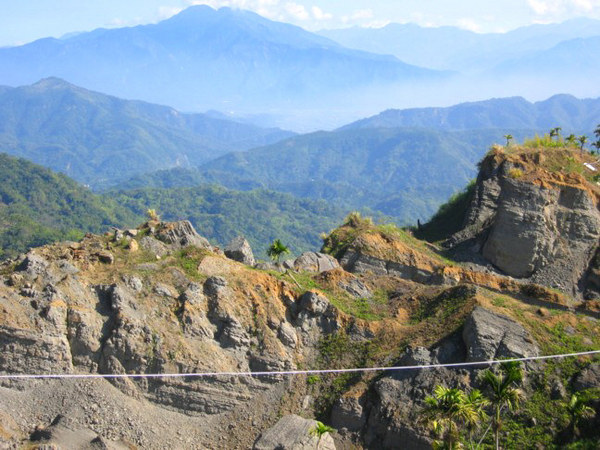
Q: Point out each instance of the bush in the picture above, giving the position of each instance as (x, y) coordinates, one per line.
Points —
(515, 173)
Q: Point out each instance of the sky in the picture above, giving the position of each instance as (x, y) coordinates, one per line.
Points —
(25, 21)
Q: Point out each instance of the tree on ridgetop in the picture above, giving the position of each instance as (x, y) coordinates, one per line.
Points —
(152, 215)
(555, 132)
(597, 133)
(508, 138)
(277, 249)
(582, 140)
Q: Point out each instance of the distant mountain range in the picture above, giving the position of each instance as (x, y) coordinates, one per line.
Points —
(452, 48)
(273, 73)
(203, 59)
(99, 140)
(572, 114)
(402, 163)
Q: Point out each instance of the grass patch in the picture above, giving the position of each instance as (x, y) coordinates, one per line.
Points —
(374, 308)
(337, 351)
(188, 259)
(443, 306)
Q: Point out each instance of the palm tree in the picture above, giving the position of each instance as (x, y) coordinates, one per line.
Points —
(448, 408)
(582, 140)
(508, 138)
(503, 392)
(555, 132)
(578, 410)
(276, 250)
(478, 403)
(571, 139)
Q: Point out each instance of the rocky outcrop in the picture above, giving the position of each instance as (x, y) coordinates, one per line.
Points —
(488, 336)
(536, 225)
(359, 262)
(292, 432)
(315, 316)
(588, 378)
(239, 250)
(157, 310)
(181, 234)
(315, 262)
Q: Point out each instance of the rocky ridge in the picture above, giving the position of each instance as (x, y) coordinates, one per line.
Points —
(162, 299)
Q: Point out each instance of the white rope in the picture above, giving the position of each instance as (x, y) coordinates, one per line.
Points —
(293, 372)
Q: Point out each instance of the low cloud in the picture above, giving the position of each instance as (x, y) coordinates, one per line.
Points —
(467, 23)
(288, 11)
(554, 9)
(318, 14)
(296, 11)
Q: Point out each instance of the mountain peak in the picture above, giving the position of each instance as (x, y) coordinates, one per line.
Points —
(52, 83)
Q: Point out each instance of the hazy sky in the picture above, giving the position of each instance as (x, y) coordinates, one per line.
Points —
(27, 20)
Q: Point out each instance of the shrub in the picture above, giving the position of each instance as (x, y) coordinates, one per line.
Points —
(515, 173)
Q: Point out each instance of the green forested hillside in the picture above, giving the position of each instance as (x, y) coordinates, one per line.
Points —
(221, 214)
(404, 173)
(38, 206)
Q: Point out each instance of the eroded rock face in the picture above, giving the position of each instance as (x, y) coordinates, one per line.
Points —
(64, 319)
(542, 231)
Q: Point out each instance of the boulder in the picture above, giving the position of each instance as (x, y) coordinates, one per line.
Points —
(154, 246)
(239, 250)
(314, 303)
(181, 234)
(287, 335)
(348, 412)
(488, 335)
(355, 288)
(315, 316)
(588, 378)
(294, 433)
(315, 262)
(106, 257)
(33, 265)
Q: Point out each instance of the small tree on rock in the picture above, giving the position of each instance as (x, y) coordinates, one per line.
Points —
(277, 249)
